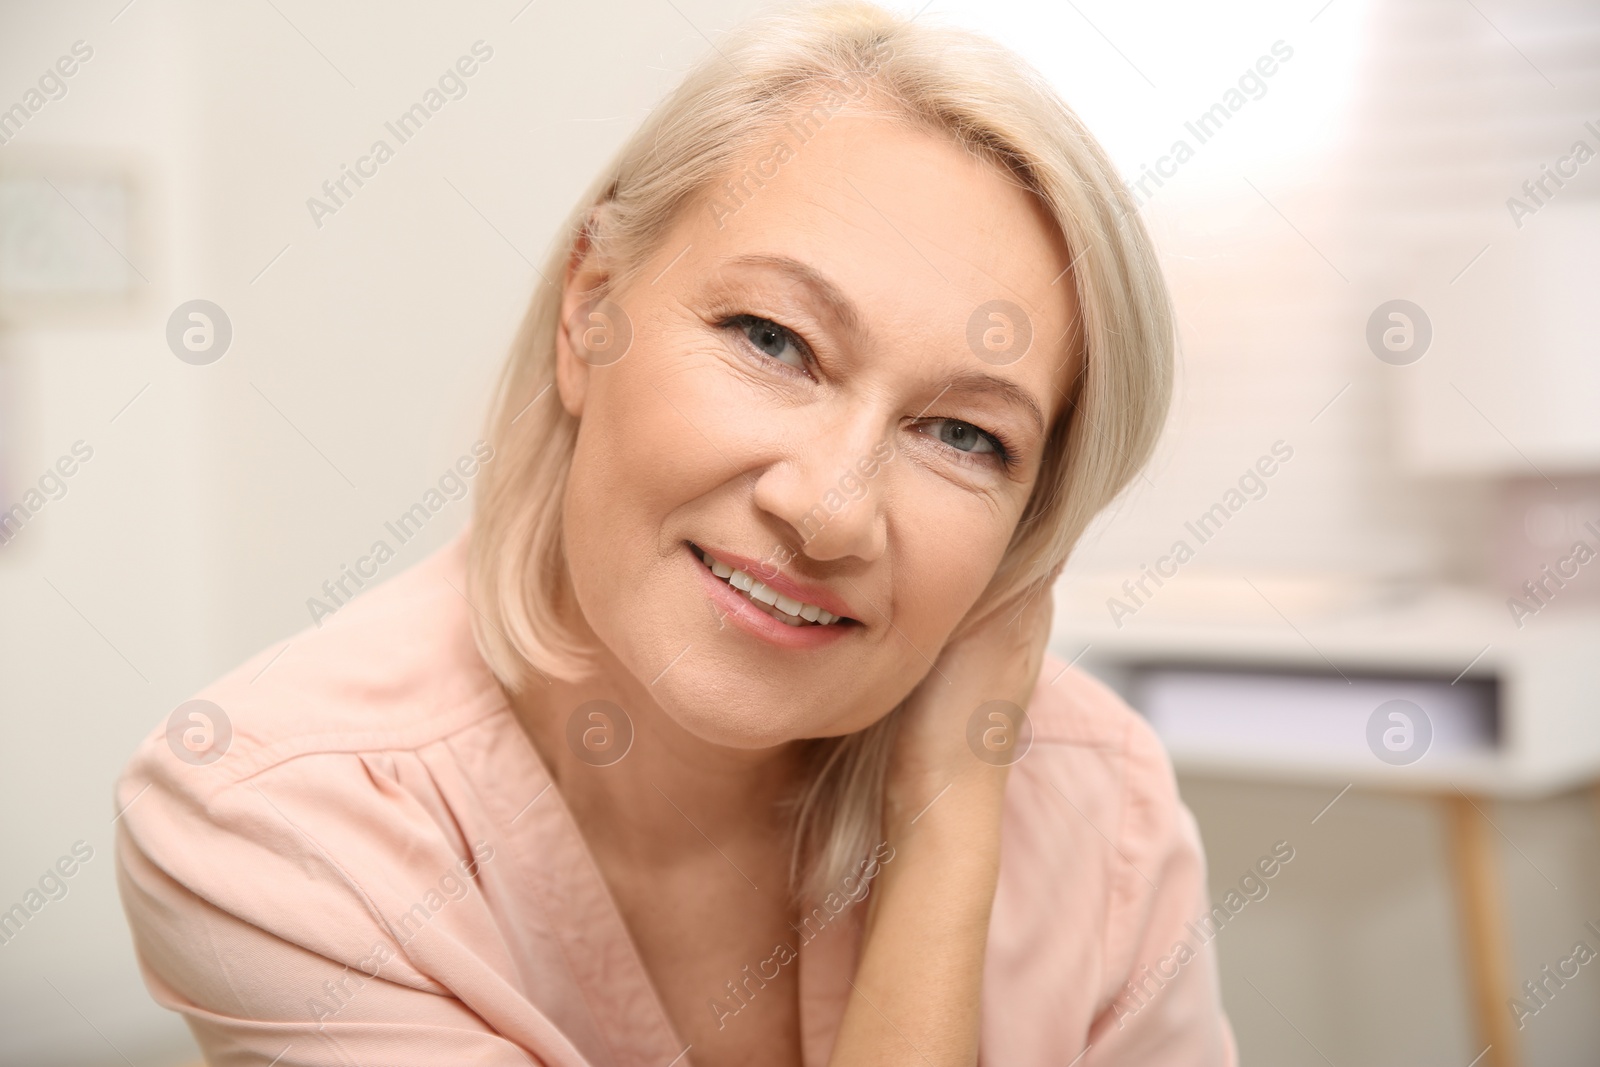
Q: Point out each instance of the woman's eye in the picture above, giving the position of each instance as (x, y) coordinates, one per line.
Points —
(965, 437)
(772, 340)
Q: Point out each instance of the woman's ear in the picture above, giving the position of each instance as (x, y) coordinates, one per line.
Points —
(586, 277)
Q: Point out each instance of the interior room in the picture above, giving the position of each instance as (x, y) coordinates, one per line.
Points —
(1356, 592)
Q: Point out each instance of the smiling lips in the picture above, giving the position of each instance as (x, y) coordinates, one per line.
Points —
(784, 608)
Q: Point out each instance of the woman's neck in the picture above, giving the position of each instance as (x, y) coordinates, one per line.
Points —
(670, 789)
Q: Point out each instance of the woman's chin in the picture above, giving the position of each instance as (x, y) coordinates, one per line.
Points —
(742, 727)
(754, 725)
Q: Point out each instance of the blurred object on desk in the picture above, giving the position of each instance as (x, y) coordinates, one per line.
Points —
(1227, 714)
(1549, 543)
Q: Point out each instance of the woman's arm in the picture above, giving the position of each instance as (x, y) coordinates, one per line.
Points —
(917, 990)
(273, 914)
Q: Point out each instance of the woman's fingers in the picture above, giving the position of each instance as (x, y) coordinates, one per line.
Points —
(997, 660)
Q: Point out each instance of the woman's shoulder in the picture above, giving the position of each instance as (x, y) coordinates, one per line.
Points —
(301, 806)
(341, 740)
(1102, 869)
(394, 669)
(1076, 716)
(1100, 783)
(1099, 761)
(1093, 816)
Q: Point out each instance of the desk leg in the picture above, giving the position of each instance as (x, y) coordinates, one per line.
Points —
(1480, 903)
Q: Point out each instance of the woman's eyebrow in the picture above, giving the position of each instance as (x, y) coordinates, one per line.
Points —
(974, 381)
(831, 296)
(844, 310)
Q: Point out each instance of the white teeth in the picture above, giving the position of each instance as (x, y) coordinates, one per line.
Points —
(792, 611)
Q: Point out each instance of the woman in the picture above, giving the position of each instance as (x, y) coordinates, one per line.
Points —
(704, 744)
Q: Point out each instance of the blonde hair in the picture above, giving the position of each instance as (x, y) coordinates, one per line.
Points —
(946, 80)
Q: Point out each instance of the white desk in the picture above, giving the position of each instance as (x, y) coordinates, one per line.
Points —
(1547, 675)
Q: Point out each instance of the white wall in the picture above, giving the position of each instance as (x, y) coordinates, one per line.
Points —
(105, 618)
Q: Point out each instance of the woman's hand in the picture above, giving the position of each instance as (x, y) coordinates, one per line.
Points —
(997, 659)
(916, 998)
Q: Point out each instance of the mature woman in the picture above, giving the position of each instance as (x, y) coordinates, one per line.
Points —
(705, 744)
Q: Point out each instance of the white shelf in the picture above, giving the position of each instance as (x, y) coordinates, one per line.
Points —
(1548, 672)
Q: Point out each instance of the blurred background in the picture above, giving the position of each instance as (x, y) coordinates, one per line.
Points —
(1379, 643)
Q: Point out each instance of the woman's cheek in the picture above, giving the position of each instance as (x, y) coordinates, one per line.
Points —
(677, 400)
(656, 423)
(952, 541)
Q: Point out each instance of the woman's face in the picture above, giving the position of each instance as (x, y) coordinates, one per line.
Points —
(820, 393)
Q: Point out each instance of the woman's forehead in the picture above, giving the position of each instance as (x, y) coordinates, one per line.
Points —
(900, 230)
(954, 221)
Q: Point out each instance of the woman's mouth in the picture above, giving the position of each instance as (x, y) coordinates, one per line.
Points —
(783, 608)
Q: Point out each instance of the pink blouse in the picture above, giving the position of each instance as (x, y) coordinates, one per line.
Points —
(376, 871)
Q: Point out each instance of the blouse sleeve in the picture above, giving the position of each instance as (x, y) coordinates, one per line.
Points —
(1166, 1007)
(245, 923)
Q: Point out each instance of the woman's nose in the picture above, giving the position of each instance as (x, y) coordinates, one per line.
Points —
(831, 490)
